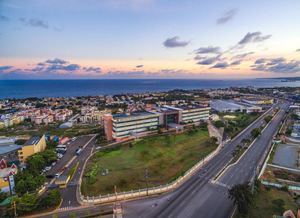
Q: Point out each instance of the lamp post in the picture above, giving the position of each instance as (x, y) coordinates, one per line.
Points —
(146, 177)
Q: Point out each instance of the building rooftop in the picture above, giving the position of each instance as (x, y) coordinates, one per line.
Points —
(4, 149)
(33, 140)
(187, 107)
(225, 104)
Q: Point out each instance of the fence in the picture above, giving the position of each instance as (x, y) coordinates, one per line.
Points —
(150, 191)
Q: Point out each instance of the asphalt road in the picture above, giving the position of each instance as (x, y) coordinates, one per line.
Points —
(69, 193)
(198, 196)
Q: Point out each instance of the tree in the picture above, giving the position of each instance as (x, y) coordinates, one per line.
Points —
(52, 199)
(36, 163)
(3, 196)
(27, 203)
(242, 196)
(219, 124)
(28, 182)
(255, 132)
(268, 118)
(294, 116)
(49, 156)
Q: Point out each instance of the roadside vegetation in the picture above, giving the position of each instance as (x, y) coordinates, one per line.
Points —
(262, 202)
(155, 160)
(235, 125)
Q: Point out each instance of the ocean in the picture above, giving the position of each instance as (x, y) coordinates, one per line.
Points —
(72, 88)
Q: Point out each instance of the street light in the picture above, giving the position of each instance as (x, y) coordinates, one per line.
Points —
(146, 177)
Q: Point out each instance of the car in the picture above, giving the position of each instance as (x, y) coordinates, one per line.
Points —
(49, 176)
(57, 175)
(78, 151)
(53, 163)
(47, 168)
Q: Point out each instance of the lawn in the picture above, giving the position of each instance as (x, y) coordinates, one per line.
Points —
(165, 158)
(268, 202)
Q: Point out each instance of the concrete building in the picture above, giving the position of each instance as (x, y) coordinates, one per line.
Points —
(233, 106)
(124, 126)
(9, 150)
(258, 100)
(190, 114)
(108, 126)
(34, 145)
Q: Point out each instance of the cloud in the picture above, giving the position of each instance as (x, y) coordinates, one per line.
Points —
(227, 16)
(175, 42)
(208, 50)
(72, 67)
(34, 22)
(92, 69)
(260, 60)
(243, 55)
(253, 37)
(52, 68)
(139, 66)
(276, 65)
(208, 61)
(4, 68)
(237, 62)
(4, 18)
(55, 61)
(221, 65)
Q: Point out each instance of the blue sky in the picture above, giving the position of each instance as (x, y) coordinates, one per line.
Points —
(149, 38)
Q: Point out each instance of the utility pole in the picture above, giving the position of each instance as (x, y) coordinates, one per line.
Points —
(115, 187)
(15, 208)
(146, 177)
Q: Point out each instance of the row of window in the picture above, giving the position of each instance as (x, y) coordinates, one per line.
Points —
(128, 133)
(133, 127)
(124, 124)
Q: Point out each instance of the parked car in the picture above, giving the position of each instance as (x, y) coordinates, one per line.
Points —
(47, 168)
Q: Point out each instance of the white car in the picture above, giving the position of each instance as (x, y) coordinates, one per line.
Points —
(47, 168)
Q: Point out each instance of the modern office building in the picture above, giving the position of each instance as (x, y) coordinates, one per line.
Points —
(34, 145)
(124, 126)
(190, 114)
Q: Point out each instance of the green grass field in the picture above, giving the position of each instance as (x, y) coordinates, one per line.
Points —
(165, 157)
(269, 202)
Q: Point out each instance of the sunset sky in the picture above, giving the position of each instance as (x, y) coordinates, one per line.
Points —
(72, 39)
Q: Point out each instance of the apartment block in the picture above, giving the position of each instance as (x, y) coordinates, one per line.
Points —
(34, 145)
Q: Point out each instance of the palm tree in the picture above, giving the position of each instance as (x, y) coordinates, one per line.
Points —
(242, 197)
